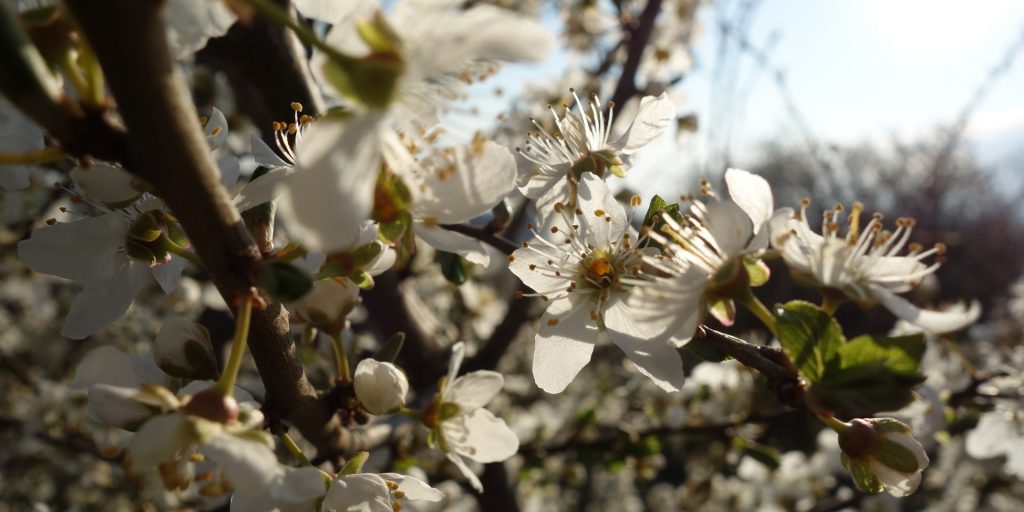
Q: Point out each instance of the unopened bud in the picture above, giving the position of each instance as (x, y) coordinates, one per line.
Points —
(183, 350)
(380, 387)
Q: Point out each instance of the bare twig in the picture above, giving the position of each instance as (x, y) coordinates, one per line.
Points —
(495, 240)
(783, 378)
(638, 37)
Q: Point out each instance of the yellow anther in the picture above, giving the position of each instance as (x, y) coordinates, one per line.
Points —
(296, 106)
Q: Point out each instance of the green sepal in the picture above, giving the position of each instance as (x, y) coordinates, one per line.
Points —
(389, 351)
(863, 477)
(395, 230)
(283, 281)
(452, 267)
(354, 464)
(895, 455)
(147, 227)
(362, 279)
(757, 271)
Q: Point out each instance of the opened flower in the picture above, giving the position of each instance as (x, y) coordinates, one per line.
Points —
(582, 143)
(864, 264)
(460, 425)
(585, 270)
(703, 249)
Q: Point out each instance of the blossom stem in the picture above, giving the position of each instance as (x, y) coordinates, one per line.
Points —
(184, 253)
(341, 358)
(276, 14)
(833, 423)
(74, 74)
(41, 156)
(93, 74)
(752, 303)
(227, 380)
(293, 448)
(830, 301)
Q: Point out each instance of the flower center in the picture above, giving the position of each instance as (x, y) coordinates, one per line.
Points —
(600, 269)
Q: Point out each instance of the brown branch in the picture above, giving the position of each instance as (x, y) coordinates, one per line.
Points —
(266, 68)
(168, 148)
(783, 378)
(636, 40)
(495, 240)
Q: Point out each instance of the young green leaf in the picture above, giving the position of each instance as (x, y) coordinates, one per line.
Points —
(810, 337)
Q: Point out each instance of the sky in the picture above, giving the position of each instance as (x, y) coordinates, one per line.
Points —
(867, 69)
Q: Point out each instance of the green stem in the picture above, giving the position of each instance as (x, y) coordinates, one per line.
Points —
(93, 74)
(294, 449)
(184, 253)
(227, 381)
(341, 358)
(752, 303)
(74, 74)
(276, 14)
(834, 423)
(830, 301)
(39, 156)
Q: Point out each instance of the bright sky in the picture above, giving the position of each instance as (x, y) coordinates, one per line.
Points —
(867, 68)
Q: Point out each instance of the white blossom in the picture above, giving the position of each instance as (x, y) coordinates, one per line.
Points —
(710, 240)
(369, 492)
(380, 387)
(462, 428)
(585, 270)
(864, 264)
(582, 143)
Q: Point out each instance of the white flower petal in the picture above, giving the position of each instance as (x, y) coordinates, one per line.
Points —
(326, 203)
(730, 226)
(230, 168)
(414, 488)
(86, 250)
(473, 390)
(191, 23)
(106, 365)
(264, 189)
(562, 349)
(105, 183)
(116, 406)
(752, 193)
(158, 441)
(655, 358)
(264, 155)
(450, 241)
(458, 354)
(474, 481)
(937, 322)
(100, 304)
(481, 436)
(361, 492)
(380, 387)
(216, 129)
(604, 216)
(896, 483)
(480, 179)
(540, 277)
(988, 438)
(299, 485)
(652, 119)
(168, 274)
(249, 466)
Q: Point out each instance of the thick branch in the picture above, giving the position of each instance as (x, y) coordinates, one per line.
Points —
(170, 151)
(783, 378)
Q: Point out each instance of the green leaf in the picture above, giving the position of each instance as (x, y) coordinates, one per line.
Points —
(355, 464)
(810, 337)
(766, 455)
(452, 267)
(871, 375)
(657, 205)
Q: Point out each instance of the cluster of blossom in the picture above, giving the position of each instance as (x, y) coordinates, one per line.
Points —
(358, 187)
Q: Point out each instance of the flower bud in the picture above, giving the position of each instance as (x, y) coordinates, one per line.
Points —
(881, 454)
(183, 350)
(212, 405)
(327, 305)
(380, 387)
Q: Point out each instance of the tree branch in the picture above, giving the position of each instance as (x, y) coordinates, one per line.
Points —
(168, 149)
(783, 378)
(637, 40)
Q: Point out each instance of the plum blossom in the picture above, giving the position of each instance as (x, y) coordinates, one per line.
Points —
(460, 425)
(583, 143)
(384, 492)
(864, 264)
(380, 386)
(430, 47)
(586, 270)
(191, 23)
(707, 244)
(1000, 433)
